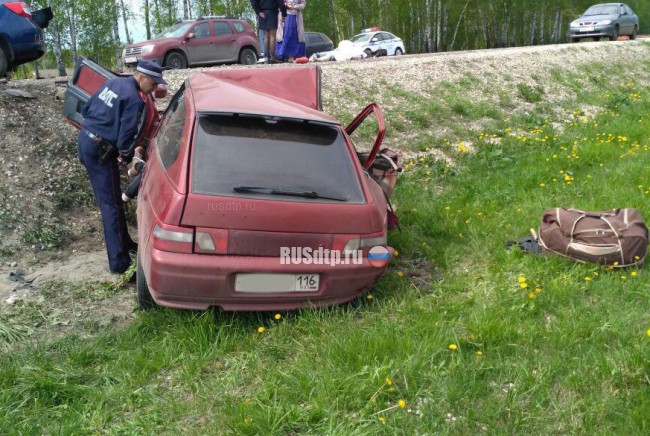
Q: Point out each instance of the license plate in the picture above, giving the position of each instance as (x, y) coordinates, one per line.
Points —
(130, 60)
(587, 29)
(271, 283)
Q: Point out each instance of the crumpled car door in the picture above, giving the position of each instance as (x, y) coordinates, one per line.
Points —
(381, 164)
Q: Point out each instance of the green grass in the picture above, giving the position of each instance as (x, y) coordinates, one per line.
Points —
(562, 355)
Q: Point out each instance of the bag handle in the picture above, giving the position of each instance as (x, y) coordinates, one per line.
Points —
(589, 214)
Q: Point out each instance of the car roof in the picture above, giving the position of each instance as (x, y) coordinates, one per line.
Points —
(220, 95)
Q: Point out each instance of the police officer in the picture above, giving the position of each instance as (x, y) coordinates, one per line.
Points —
(109, 130)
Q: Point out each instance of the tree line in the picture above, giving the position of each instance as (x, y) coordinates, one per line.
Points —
(99, 29)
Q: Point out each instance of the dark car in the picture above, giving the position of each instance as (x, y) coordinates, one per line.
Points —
(247, 186)
(21, 34)
(204, 41)
(317, 42)
(609, 20)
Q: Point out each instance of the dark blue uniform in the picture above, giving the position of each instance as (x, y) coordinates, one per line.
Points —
(112, 114)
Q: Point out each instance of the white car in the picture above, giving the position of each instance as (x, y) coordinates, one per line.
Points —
(376, 42)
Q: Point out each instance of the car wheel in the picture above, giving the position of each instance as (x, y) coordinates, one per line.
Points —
(398, 52)
(368, 52)
(3, 63)
(145, 300)
(635, 32)
(175, 61)
(247, 57)
(614, 36)
(574, 40)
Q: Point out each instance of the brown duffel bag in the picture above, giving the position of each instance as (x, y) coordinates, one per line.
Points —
(617, 238)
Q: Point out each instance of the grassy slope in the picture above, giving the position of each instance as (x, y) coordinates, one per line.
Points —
(566, 354)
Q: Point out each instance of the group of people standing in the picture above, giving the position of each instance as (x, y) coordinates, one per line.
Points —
(282, 24)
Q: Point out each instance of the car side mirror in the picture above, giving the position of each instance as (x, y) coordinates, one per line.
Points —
(374, 40)
(160, 92)
(191, 35)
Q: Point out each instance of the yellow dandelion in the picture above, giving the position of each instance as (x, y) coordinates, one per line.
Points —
(523, 285)
(541, 185)
(402, 404)
(479, 353)
(648, 332)
(634, 273)
(636, 258)
(389, 381)
(531, 295)
(453, 346)
(538, 290)
(587, 278)
(392, 389)
(521, 279)
(382, 420)
(277, 316)
(623, 278)
(369, 297)
(395, 253)
(260, 330)
(615, 263)
(400, 274)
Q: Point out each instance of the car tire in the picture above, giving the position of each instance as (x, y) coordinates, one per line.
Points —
(635, 32)
(574, 40)
(175, 61)
(614, 36)
(145, 300)
(247, 57)
(3, 63)
(368, 52)
(398, 52)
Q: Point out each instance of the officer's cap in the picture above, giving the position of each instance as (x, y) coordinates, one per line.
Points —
(152, 70)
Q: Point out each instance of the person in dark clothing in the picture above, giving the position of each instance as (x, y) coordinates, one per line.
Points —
(267, 12)
(109, 130)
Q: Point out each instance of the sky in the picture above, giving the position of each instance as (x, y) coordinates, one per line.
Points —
(136, 26)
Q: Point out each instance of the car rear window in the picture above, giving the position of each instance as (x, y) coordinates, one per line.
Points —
(247, 151)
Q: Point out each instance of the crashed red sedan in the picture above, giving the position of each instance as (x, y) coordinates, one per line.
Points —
(253, 199)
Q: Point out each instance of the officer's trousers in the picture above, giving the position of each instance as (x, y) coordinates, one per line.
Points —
(105, 181)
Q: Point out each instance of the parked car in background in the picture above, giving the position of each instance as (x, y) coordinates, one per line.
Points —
(204, 41)
(237, 171)
(21, 34)
(376, 42)
(316, 42)
(609, 20)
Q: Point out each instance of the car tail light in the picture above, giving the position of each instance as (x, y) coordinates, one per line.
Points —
(353, 243)
(172, 238)
(19, 8)
(211, 241)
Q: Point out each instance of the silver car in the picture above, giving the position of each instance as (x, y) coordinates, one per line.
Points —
(605, 20)
(375, 42)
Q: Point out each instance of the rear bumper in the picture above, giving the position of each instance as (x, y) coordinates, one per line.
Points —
(24, 53)
(193, 281)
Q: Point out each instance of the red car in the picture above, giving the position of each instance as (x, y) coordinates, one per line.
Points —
(248, 185)
(204, 41)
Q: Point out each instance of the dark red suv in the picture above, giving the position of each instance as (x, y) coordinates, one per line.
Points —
(204, 41)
